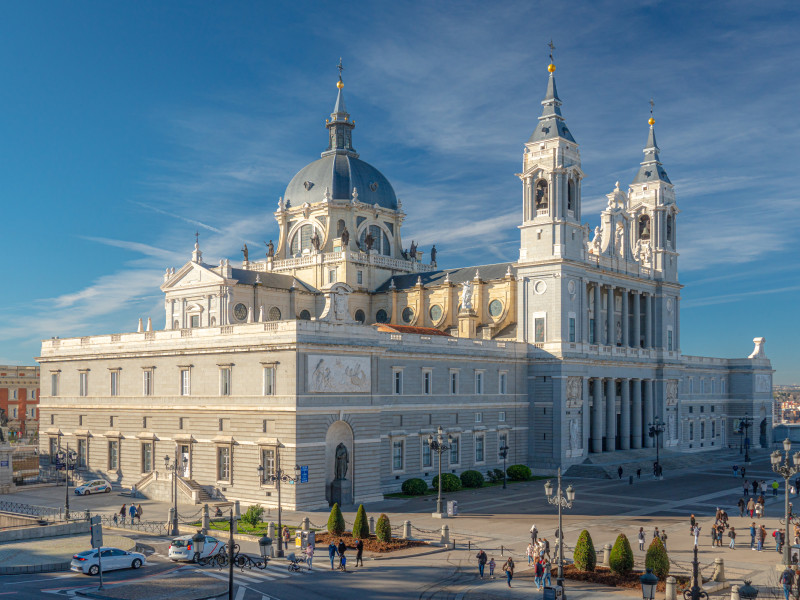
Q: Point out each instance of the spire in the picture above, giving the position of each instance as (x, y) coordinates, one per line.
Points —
(651, 169)
(551, 123)
(340, 126)
(197, 256)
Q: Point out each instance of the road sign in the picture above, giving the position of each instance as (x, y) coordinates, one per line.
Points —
(96, 532)
(304, 474)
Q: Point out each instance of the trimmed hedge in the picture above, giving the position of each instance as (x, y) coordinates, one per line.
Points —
(472, 479)
(584, 556)
(657, 559)
(414, 487)
(450, 482)
(519, 473)
(361, 524)
(383, 529)
(621, 559)
(495, 475)
(336, 520)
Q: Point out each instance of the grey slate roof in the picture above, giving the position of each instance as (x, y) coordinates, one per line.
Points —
(457, 276)
(273, 280)
(651, 169)
(551, 123)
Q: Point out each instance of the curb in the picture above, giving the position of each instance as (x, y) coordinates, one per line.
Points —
(100, 597)
(435, 551)
(44, 568)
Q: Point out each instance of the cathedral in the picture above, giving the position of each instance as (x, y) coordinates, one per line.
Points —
(334, 356)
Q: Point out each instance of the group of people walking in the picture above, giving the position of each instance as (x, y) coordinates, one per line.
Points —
(641, 537)
(483, 560)
(134, 511)
(339, 550)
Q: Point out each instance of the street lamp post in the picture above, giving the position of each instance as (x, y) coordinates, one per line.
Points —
(657, 427)
(439, 446)
(277, 477)
(561, 501)
(504, 456)
(695, 592)
(174, 466)
(69, 457)
(744, 425)
(782, 467)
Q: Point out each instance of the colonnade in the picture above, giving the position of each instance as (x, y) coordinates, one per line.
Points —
(636, 410)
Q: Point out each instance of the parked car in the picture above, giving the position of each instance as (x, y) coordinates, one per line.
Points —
(180, 548)
(88, 562)
(93, 487)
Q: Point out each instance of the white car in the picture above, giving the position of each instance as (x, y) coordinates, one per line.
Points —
(88, 562)
(180, 548)
(93, 487)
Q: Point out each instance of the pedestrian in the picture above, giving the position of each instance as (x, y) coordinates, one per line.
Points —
(331, 552)
(546, 548)
(360, 552)
(696, 533)
(343, 563)
(762, 535)
(746, 488)
(285, 536)
(655, 533)
(341, 549)
(482, 560)
(538, 574)
(741, 506)
(641, 538)
(139, 513)
(751, 507)
(752, 536)
(123, 513)
(735, 469)
(529, 554)
(660, 471)
(692, 523)
(763, 486)
(732, 535)
(759, 510)
(777, 535)
(774, 487)
(664, 538)
(755, 487)
(619, 471)
(492, 565)
(638, 473)
(509, 569)
(534, 534)
(132, 512)
(116, 516)
(309, 555)
(548, 571)
(742, 470)
(787, 581)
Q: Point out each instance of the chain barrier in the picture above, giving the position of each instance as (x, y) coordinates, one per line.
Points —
(192, 518)
(434, 531)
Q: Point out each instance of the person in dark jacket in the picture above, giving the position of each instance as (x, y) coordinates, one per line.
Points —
(359, 552)
(341, 548)
(331, 553)
(482, 560)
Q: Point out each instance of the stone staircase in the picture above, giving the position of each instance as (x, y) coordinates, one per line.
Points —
(202, 495)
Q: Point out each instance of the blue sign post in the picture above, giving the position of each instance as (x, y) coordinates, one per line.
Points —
(304, 474)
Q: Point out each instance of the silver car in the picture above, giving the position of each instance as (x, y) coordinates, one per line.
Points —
(88, 562)
(181, 548)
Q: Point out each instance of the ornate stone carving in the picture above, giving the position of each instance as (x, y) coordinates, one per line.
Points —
(466, 296)
(338, 374)
(672, 392)
(574, 392)
(758, 351)
(597, 240)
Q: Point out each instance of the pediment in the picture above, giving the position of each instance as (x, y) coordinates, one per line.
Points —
(193, 274)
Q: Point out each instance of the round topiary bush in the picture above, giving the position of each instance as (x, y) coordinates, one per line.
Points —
(336, 521)
(361, 524)
(450, 483)
(518, 473)
(584, 556)
(414, 487)
(657, 559)
(383, 529)
(621, 559)
(472, 479)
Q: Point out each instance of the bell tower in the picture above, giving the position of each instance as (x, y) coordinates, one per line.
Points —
(551, 185)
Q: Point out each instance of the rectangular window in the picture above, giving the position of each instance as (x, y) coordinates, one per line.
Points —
(53, 450)
(572, 329)
(427, 457)
(54, 384)
(397, 455)
(111, 421)
(453, 382)
(359, 277)
(479, 458)
(713, 429)
(52, 419)
(702, 409)
(223, 463)
(80, 420)
(479, 417)
(180, 422)
(538, 328)
(503, 383)
(702, 430)
(113, 455)
(426, 381)
(722, 386)
(195, 321)
(502, 440)
(478, 382)
(691, 409)
(713, 385)
(225, 381)
(501, 416)
(269, 381)
(114, 383)
(591, 331)
(691, 431)
(144, 422)
(83, 383)
(397, 383)
(691, 385)
(147, 382)
(268, 462)
(147, 457)
(14, 413)
(331, 275)
(186, 382)
(455, 451)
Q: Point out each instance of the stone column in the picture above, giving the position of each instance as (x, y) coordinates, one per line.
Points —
(625, 416)
(597, 416)
(598, 305)
(648, 321)
(626, 339)
(636, 415)
(584, 311)
(612, 336)
(637, 319)
(648, 411)
(611, 416)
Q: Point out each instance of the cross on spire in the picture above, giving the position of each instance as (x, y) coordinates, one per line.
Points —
(552, 47)
(340, 67)
(652, 104)
(196, 237)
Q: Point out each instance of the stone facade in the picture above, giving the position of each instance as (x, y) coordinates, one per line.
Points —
(19, 398)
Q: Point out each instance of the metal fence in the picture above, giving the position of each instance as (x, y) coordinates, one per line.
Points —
(114, 520)
(47, 513)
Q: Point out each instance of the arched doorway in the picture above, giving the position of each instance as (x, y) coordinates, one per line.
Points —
(339, 462)
(762, 437)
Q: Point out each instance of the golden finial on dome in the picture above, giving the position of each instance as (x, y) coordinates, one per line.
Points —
(340, 83)
(651, 120)
(551, 67)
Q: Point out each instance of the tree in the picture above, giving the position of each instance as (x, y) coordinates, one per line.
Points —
(336, 520)
(584, 556)
(383, 529)
(621, 559)
(361, 525)
(657, 559)
(253, 515)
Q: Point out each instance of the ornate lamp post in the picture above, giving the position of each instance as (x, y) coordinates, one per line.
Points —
(649, 583)
(277, 477)
(439, 446)
(695, 592)
(657, 427)
(782, 467)
(69, 457)
(744, 425)
(562, 502)
(174, 466)
(504, 456)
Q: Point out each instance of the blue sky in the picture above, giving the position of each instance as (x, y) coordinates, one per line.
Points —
(125, 127)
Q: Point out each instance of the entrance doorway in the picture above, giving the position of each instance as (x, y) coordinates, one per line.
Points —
(186, 460)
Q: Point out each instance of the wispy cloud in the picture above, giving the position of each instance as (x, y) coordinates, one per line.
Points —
(735, 297)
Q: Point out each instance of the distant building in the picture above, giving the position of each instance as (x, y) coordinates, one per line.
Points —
(19, 398)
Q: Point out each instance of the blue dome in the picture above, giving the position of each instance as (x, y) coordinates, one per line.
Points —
(340, 172)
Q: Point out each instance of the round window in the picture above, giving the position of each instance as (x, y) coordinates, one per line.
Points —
(305, 315)
(240, 312)
(274, 314)
(495, 308)
(436, 313)
(381, 316)
(408, 314)
(360, 316)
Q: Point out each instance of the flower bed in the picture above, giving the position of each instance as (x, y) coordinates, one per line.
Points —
(371, 544)
(604, 576)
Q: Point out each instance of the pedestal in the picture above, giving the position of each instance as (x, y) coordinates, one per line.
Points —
(342, 492)
(467, 323)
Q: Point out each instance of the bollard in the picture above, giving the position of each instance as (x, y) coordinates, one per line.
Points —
(271, 530)
(206, 520)
(372, 525)
(445, 539)
(305, 525)
(469, 544)
(734, 592)
(607, 555)
(237, 513)
(501, 549)
(671, 594)
(406, 530)
(719, 570)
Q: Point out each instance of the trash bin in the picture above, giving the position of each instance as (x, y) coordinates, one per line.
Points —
(298, 539)
(452, 508)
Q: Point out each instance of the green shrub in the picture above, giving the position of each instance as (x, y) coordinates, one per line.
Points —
(657, 559)
(472, 479)
(336, 521)
(621, 559)
(495, 475)
(383, 529)
(361, 524)
(519, 473)
(253, 515)
(414, 487)
(584, 555)
(450, 483)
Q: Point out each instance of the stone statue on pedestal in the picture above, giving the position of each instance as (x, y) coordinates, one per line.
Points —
(341, 487)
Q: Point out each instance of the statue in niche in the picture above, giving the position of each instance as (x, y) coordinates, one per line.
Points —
(270, 249)
(369, 241)
(315, 241)
(345, 237)
(340, 462)
(466, 295)
(245, 252)
(646, 254)
(597, 240)
(433, 254)
(619, 235)
(637, 250)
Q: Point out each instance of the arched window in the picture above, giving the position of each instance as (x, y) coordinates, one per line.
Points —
(669, 230)
(540, 195)
(380, 241)
(339, 227)
(302, 239)
(571, 195)
(360, 316)
(644, 227)
(381, 316)
(305, 315)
